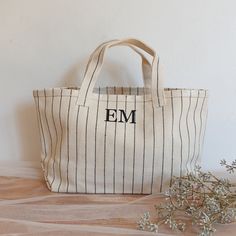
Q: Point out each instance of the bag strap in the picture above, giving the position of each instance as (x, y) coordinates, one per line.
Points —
(146, 66)
(93, 69)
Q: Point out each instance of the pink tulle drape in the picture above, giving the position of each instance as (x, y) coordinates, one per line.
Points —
(27, 207)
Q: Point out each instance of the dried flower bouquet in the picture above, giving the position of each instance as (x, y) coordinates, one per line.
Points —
(200, 197)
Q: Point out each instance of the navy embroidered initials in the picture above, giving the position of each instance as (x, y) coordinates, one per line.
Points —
(112, 116)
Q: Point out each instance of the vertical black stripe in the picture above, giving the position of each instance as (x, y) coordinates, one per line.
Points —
(68, 141)
(200, 131)
(50, 136)
(124, 145)
(60, 141)
(180, 135)
(163, 148)
(144, 144)
(95, 149)
(195, 131)
(76, 151)
(205, 120)
(105, 143)
(158, 95)
(153, 146)
(172, 137)
(114, 164)
(187, 125)
(41, 128)
(85, 154)
(134, 150)
(55, 150)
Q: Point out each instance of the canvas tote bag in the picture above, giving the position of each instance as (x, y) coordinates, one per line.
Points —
(119, 140)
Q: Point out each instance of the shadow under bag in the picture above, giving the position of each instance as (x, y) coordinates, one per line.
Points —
(116, 139)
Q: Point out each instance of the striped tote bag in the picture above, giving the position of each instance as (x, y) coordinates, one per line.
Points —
(117, 139)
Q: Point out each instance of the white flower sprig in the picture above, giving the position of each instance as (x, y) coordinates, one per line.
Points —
(200, 197)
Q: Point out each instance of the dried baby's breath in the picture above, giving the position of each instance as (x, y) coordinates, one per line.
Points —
(201, 197)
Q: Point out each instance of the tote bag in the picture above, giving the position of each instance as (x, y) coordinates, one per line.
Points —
(117, 139)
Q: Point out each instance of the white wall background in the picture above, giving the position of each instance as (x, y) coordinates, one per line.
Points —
(47, 44)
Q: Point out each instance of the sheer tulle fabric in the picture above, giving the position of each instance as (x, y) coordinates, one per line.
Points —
(27, 207)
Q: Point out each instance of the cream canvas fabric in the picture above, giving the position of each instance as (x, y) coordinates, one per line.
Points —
(119, 140)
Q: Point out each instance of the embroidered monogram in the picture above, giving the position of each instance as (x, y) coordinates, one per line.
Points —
(112, 114)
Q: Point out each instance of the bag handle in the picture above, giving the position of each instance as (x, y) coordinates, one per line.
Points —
(157, 92)
(146, 66)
